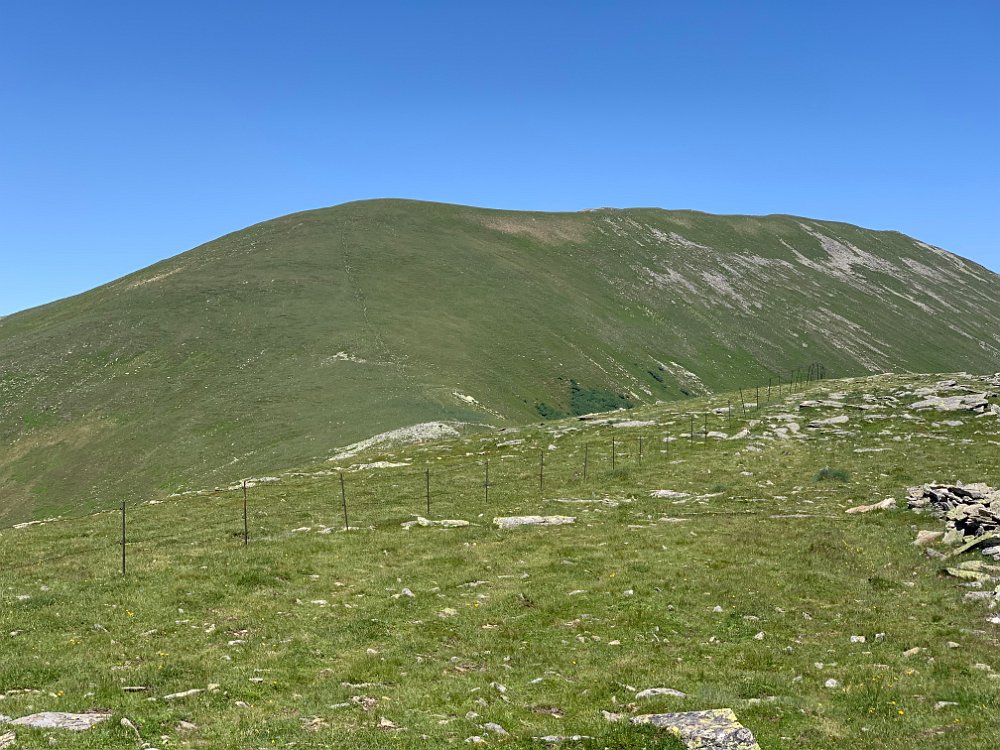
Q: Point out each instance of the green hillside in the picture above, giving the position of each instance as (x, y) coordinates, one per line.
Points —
(273, 346)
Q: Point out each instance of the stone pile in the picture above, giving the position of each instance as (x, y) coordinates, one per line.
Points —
(969, 511)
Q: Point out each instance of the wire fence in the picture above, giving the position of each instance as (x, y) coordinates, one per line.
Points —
(506, 476)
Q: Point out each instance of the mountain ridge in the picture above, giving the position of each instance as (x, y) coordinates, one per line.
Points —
(273, 345)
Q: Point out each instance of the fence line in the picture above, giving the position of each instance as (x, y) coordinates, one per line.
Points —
(512, 472)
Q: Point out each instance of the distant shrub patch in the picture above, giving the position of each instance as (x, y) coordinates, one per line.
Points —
(585, 400)
(655, 375)
(826, 474)
(546, 411)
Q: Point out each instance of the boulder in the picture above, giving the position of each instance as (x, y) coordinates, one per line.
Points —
(840, 419)
(512, 522)
(447, 523)
(715, 729)
(60, 720)
(888, 504)
(974, 402)
(925, 537)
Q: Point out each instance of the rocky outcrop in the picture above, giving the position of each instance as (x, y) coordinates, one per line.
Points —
(977, 403)
(970, 510)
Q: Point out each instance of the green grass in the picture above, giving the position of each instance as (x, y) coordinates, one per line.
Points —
(826, 474)
(569, 620)
(271, 346)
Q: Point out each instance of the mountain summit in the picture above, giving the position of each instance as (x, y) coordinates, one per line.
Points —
(274, 345)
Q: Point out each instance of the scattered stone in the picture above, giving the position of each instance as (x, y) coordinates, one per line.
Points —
(832, 684)
(512, 522)
(817, 423)
(974, 402)
(715, 729)
(888, 504)
(447, 523)
(184, 694)
(670, 494)
(388, 726)
(7, 740)
(314, 723)
(653, 692)
(364, 702)
(60, 720)
(925, 537)
(555, 739)
(858, 639)
(127, 723)
(494, 728)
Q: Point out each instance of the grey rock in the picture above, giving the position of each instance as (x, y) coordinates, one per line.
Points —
(512, 522)
(60, 720)
(887, 504)
(653, 692)
(974, 402)
(715, 729)
(448, 523)
(840, 419)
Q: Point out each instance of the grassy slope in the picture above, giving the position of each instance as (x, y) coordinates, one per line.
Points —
(320, 614)
(221, 363)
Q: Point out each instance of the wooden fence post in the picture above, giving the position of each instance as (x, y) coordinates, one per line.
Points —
(123, 537)
(246, 521)
(343, 500)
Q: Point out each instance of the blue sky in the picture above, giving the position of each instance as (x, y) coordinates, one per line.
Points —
(131, 132)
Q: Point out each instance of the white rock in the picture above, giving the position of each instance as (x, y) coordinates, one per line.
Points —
(60, 720)
(184, 694)
(512, 522)
(653, 692)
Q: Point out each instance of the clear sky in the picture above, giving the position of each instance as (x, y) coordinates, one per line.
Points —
(131, 131)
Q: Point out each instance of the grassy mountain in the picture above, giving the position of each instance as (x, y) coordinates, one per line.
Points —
(271, 346)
